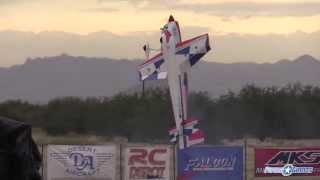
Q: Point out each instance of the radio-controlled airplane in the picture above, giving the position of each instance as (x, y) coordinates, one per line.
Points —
(173, 63)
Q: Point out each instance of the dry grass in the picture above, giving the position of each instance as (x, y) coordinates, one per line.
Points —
(41, 137)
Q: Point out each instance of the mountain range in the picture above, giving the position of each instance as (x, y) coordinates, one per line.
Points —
(41, 79)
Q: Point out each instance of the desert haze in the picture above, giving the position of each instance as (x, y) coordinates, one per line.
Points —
(41, 79)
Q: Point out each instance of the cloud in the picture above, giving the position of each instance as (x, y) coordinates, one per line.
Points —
(253, 9)
(101, 10)
(10, 2)
(144, 4)
(131, 1)
(227, 9)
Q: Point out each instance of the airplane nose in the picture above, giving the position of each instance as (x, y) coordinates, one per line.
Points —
(171, 18)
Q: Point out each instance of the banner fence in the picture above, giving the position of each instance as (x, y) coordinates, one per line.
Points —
(165, 162)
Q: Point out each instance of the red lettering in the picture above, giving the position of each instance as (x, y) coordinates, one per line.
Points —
(140, 156)
(143, 157)
(152, 155)
(144, 172)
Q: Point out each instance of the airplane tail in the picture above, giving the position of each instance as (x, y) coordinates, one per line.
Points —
(192, 135)
(173, 133)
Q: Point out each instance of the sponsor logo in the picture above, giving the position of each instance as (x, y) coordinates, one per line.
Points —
(287, 162)
(147, 164)
(295, 157)
(211, 164)
(288, 170)
(81, 160)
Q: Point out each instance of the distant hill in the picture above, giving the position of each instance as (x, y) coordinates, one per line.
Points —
(16, 46)
(218, 78)
(41, 79)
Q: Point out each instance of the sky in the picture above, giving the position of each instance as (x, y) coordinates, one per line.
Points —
(127, 18)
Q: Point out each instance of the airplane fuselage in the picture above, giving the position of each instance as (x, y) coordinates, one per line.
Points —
(169, 42)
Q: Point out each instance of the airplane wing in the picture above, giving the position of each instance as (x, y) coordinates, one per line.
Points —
(152, 68)
(189, 52)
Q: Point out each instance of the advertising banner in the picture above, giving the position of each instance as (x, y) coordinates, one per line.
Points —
(210, 162)
(81, 162)
(148, 162)
(287, 162)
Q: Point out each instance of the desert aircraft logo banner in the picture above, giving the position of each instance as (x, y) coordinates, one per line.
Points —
(287, 162)
(81, 162)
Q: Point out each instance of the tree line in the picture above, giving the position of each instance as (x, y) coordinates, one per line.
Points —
(292, 111)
